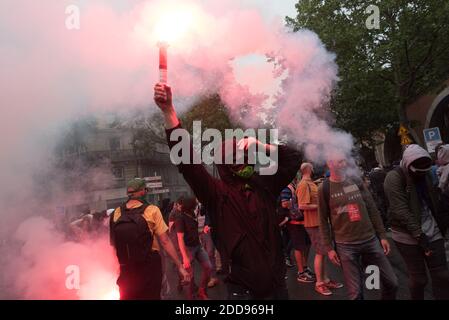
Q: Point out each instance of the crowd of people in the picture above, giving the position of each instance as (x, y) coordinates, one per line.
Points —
(260, 225)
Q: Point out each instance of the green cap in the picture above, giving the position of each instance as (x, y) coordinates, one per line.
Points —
(135, 185)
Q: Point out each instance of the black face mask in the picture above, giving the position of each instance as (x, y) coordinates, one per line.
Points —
(188, 205)
(417, 175)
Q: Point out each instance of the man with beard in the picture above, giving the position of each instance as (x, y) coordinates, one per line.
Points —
(242, 207)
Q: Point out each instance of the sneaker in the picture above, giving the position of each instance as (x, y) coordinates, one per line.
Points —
(323, 289)
(202, 295)
(333, 285)
(212, 282)
(310, 273)
(288, 263)
(305, 278)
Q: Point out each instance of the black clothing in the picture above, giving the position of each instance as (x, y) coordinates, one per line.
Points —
(188, 225)
(244, 219)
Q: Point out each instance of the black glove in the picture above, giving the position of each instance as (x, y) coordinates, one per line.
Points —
(423, 242)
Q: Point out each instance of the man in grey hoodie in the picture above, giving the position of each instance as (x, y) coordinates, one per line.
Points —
(418, 222)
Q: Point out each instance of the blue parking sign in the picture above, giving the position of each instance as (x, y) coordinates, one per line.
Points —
(432, 137)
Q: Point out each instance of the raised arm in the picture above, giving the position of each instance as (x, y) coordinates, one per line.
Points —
(202, 183)
(163, 99)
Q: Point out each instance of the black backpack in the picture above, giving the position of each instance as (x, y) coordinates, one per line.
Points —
(131, 237)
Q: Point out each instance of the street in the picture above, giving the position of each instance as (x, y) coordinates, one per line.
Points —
(305, 291)
(297, 291)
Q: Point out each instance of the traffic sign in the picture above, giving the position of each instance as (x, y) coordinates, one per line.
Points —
(159, 191)
(402, 130)
(403, 133)
(153, 185)
(405, 140)
(432, 137)
(155, 178)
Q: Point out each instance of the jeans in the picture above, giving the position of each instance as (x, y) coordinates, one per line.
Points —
(417, 262)
(208, 244)
(355, 257)
(199, 254)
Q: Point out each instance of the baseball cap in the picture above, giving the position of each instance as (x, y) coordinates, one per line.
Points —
(286, 194)
(135, 185)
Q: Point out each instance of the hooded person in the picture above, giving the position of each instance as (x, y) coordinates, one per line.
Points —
(443, 169)
(242, 208)
(136, 231)
(418, 222)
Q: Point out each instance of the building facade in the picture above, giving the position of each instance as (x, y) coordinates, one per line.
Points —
(113, 148)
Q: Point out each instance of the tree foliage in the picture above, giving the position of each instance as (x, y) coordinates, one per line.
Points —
(381, 70)
(212, 113)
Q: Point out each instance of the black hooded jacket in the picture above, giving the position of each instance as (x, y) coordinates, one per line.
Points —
(244, 219)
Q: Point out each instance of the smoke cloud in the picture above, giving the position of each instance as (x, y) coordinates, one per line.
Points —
(49, 267)
(52, 75)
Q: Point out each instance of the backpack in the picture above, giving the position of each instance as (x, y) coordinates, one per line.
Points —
(441, 212)
(295, 213)
(131, 237)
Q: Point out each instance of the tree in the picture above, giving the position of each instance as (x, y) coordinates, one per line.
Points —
(382, 70)
(147, 131)
(73, 140)
(212, 113)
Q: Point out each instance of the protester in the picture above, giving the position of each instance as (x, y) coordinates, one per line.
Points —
(205, 230)
(82, 228)
(443, 168)
(348, 212)
(418, 223)
(298, 235)
(186, 226)
(242, 209)
(376, 178)
(307, 194)
(283, 219)
(174, 213)
(136, 229)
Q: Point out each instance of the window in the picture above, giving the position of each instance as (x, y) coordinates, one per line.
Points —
(114, 144)
(118, 172)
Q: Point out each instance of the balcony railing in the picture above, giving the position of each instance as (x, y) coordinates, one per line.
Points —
(122, 155)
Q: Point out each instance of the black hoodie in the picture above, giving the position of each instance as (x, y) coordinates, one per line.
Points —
(245, 219)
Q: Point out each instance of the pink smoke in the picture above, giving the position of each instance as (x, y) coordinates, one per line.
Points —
(111, 63)
(51, 75)
(40, 268)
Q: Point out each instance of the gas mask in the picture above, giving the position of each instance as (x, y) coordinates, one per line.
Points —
(245, 172)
